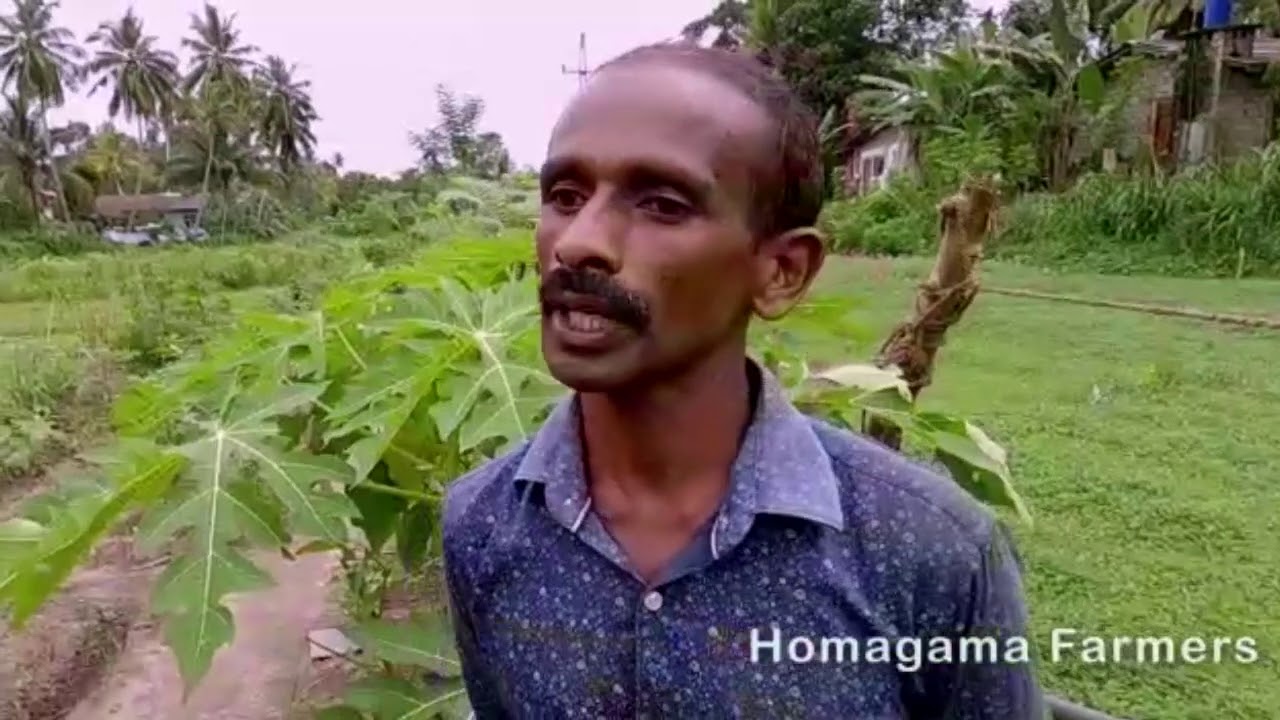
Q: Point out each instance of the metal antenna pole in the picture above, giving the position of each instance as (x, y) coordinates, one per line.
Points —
(582, 70)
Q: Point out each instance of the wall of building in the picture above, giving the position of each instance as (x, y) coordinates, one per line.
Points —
(892, 146)
(1244, 114)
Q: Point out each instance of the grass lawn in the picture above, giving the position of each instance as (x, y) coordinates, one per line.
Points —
(1149, 451)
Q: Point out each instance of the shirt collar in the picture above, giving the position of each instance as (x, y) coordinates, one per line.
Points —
(782, 467)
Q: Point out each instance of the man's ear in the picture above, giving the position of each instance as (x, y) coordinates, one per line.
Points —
(786, 265)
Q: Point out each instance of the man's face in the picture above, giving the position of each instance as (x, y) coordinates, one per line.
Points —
(646, 253)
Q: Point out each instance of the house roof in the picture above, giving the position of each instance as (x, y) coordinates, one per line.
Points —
(114, 206)
(869, 133)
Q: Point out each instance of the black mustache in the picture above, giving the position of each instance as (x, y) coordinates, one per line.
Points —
(618, 303)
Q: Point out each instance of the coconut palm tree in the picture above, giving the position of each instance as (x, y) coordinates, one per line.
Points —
(216, 137)
(39, 61)
(111, 157)
(217, 54)
(143, 78)
(21, 151)
(287, 113)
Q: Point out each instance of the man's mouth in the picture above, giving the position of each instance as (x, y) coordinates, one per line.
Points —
(585, 329)
(580, 321)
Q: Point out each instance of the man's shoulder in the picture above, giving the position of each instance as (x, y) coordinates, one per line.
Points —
(480, 488)
(878, 484)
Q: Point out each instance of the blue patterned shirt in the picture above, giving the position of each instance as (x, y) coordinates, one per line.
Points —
(833, 574)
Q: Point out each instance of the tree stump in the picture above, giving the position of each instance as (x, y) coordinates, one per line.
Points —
(964, 220)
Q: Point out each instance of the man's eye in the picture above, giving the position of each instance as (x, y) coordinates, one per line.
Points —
(566, 199)
(665, 208)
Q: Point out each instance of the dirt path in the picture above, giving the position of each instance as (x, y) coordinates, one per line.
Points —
(253, 679)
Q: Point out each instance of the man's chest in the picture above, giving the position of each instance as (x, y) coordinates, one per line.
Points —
(771, 632)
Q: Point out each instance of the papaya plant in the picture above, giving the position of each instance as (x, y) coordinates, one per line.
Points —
(340, 429)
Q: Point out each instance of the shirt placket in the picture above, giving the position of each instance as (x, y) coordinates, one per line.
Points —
(653, 657)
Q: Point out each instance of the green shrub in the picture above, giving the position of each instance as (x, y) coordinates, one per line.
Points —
(54, 239)
(1210, 221)
(889, 221)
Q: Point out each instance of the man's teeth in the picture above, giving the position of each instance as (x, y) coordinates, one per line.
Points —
(584, 322)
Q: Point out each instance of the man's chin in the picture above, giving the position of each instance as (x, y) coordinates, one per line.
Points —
(588, 375)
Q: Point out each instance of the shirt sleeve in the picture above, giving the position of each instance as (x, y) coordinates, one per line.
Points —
(481, 684)
(981, 687)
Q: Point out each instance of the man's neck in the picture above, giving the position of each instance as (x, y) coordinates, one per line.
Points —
(662, 440)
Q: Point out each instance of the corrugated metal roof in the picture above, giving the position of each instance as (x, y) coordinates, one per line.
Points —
(122, 205)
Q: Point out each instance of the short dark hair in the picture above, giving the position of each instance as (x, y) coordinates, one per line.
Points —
(791, 196)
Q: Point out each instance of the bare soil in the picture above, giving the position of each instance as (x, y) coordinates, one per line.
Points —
(70, 645)
(95, 652)
(255, 678)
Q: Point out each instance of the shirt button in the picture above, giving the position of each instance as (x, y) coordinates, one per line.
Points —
(653, 601)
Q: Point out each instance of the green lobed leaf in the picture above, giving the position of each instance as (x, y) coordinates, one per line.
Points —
(390, 698)
(379, 513)
(417, 531)
(76, 522)
(238, 485)
(425, 642)
(976, 462)
(188, 593)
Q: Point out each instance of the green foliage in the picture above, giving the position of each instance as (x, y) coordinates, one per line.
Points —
(822, 46)
(53, 239)
(49, 396)
(900, 219)
(895, 220)
(98, 275)
(166, 317)
(340, 428)
(449, 207)
(456, 145)
(1212, 221)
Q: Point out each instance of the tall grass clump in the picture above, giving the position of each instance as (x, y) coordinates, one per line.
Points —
(1214, 221)
(1209, 221)
(98, 275)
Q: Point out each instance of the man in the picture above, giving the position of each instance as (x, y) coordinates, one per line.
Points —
(676, 506)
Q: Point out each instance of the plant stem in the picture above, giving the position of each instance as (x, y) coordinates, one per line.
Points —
(398, 492)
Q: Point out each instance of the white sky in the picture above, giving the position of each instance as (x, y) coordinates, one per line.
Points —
(373, 64)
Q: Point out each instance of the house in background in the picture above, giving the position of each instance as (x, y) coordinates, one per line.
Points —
(876, 155)
(1177, 119)
(148, 219)
(1178, 114)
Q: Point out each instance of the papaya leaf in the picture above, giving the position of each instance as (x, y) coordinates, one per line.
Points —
(19, 537)
(188, 593)
(418, 529)
(391, 698)
(502, 395)
(379, 513)
(75, 524)
(425, 642)
(216, 504)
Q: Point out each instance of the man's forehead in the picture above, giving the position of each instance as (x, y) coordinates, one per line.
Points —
(665, 110)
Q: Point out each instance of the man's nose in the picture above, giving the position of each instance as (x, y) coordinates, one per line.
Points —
(592, 239)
